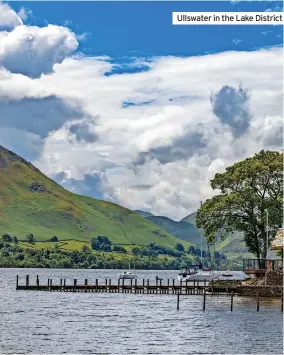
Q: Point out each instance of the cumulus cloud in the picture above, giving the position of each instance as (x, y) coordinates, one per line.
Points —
(231, 106)
(83, 132)
(39, 116)
(90, 185)
(8, 18)
(24, 13)
(147, 139)
(32, 50)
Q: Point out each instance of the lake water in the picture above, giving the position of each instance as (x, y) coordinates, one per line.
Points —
(99, 323)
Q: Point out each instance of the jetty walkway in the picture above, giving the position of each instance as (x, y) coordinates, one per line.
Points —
(192, 287)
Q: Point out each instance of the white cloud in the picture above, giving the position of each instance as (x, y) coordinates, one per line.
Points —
(151, 137)
(237, 41)
(32, 51)
(24, 13)
(8, 18)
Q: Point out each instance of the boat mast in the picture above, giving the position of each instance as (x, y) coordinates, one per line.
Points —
(201, 240)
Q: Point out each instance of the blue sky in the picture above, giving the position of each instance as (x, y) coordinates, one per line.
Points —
(188, 101)
(144, 28)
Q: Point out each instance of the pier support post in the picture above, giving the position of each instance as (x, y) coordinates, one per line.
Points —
(232, 300)
(178, 301)
(204, 300)
(282, 300)
(75, 284)
(17, 282)
(257, 304)
(96, 285)
(37, 280)
(64, 284)
(27, 280)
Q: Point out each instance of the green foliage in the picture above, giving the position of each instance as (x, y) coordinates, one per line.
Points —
(247, 189)
(7, 238)
(59, 258)
(119, 249)
(32, 203)
(30, 238)
(86, 249)
(179, 247)
(54, 239)
(101, 243)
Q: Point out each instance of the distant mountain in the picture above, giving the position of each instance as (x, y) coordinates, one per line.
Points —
(190, 218)
(30, 202)
(233, 244)
(180, 229)
(143, 213)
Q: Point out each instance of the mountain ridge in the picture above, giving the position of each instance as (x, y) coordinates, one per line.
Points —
(233, 244)
(30, 202)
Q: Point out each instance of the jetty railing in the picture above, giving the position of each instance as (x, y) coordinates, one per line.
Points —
(261, 264)
(189, 287)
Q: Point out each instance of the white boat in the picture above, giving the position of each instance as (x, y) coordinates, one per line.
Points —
(195, 273)
(127, 275)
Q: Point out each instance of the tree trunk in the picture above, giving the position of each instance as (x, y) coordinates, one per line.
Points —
(263, 238)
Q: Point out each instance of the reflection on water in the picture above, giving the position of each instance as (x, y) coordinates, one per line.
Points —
(93, 323)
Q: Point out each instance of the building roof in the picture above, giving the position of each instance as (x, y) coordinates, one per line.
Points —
(278, 241)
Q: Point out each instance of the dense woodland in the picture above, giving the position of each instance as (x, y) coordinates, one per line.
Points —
(100, 254)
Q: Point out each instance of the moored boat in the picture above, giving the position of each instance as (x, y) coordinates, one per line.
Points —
(127, 275)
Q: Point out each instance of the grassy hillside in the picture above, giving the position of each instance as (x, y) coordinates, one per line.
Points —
(143, 213)
(232, 245)
(182, 230)
(30, 202)
(190, 218)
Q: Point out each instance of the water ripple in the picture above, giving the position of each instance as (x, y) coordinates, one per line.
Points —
(98, 323)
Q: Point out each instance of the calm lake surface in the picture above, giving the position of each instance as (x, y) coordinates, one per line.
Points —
(100, 323)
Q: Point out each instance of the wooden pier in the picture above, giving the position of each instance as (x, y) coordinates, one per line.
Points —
(192, 287)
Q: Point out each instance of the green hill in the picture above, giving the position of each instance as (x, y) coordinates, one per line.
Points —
(143, 213)
(190, 218)
(30, 202)
(182, 230)
(232, 245)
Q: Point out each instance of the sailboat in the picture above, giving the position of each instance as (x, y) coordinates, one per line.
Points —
(197, 272)
(128, 275)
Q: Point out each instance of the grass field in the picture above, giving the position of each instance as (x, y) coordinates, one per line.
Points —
(32, 203)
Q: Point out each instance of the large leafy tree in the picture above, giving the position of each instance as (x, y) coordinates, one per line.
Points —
(248, 190)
